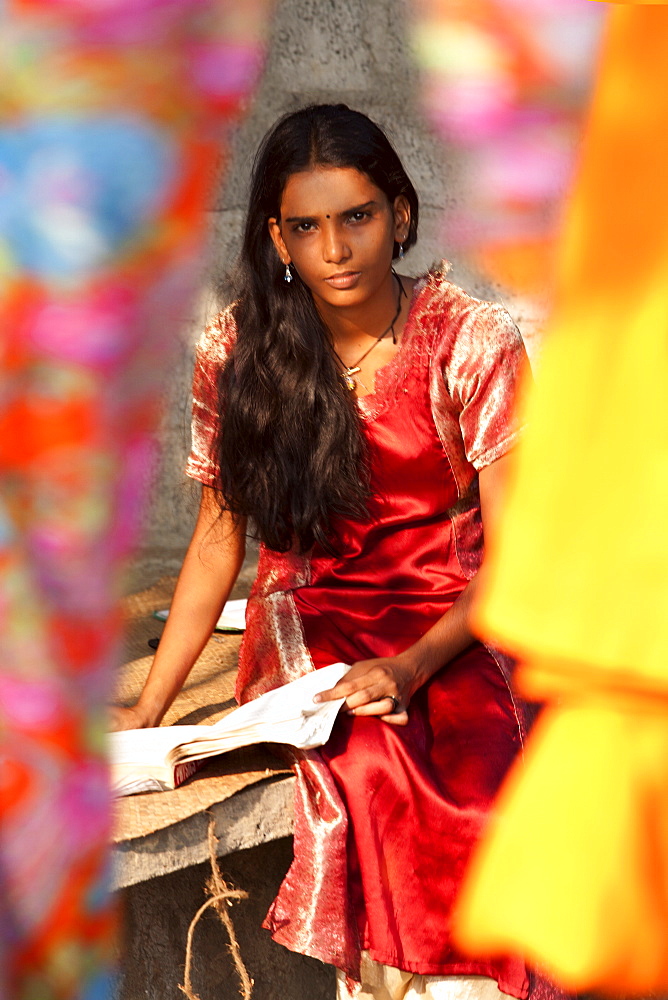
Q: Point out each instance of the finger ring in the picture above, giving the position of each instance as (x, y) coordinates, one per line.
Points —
(396, 707)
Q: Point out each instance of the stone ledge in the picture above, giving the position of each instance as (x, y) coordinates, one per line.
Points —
(256, 815)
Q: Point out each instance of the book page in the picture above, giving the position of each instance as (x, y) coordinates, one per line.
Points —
(148, 746)
(287, 714)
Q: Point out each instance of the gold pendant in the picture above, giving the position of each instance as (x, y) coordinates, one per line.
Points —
(347, 377)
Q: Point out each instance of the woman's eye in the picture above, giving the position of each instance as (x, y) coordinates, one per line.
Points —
(304, 227)
(359, 216)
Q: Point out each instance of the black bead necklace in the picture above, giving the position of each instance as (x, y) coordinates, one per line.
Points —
(349, 370)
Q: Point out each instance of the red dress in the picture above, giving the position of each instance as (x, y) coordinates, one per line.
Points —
(385, 817)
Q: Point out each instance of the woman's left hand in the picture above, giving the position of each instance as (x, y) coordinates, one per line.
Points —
(370, 686)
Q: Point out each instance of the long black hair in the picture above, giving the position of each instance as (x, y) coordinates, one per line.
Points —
(290, 449)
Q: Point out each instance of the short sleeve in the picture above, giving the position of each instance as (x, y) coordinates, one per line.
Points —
(483, 372)
(211, 353)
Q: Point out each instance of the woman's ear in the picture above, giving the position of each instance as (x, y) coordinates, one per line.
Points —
(277, 239)
(402, 218)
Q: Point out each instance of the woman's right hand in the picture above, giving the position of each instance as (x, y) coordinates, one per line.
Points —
(120, 719)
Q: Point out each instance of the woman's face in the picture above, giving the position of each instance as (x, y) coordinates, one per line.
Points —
(338, 231)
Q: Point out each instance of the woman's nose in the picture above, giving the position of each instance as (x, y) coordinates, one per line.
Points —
(335, 248)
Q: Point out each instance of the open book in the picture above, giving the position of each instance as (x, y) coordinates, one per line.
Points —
(149, 760)
(232, 617)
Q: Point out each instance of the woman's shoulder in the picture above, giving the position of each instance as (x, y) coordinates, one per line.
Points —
(436, 291)
(456, 315)
(219, 335)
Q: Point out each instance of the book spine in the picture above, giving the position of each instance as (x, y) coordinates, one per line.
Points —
(186, 770)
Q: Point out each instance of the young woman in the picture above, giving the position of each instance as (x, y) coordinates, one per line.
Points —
(359, 419)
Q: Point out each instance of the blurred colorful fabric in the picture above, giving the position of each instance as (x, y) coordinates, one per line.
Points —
(112, 120)
(505, 83)
(577, 583)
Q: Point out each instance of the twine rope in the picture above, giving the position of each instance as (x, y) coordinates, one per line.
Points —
(222, 896)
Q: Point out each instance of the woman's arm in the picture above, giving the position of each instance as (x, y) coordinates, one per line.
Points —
(210, 568)
(369, 683)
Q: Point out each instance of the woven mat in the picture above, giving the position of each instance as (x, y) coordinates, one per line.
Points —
(207, 696)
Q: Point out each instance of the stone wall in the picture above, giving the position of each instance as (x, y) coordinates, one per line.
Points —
(157, 915)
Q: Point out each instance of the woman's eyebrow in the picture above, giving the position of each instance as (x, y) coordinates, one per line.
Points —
(301, 218)
(348, 211)
(360, 208)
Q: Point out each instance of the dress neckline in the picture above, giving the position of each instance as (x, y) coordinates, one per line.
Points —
(372, 403)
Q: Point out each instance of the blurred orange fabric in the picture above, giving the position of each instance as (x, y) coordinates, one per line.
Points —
(574, 873)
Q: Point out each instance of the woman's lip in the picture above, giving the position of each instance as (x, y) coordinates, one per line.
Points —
(344, 280)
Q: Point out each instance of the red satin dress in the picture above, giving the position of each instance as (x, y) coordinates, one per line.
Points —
(386, 816)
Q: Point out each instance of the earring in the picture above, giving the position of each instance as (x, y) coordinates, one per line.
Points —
(288, 274)
(401, 251)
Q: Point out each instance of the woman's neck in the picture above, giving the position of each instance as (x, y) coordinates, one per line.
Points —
(370, 318)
